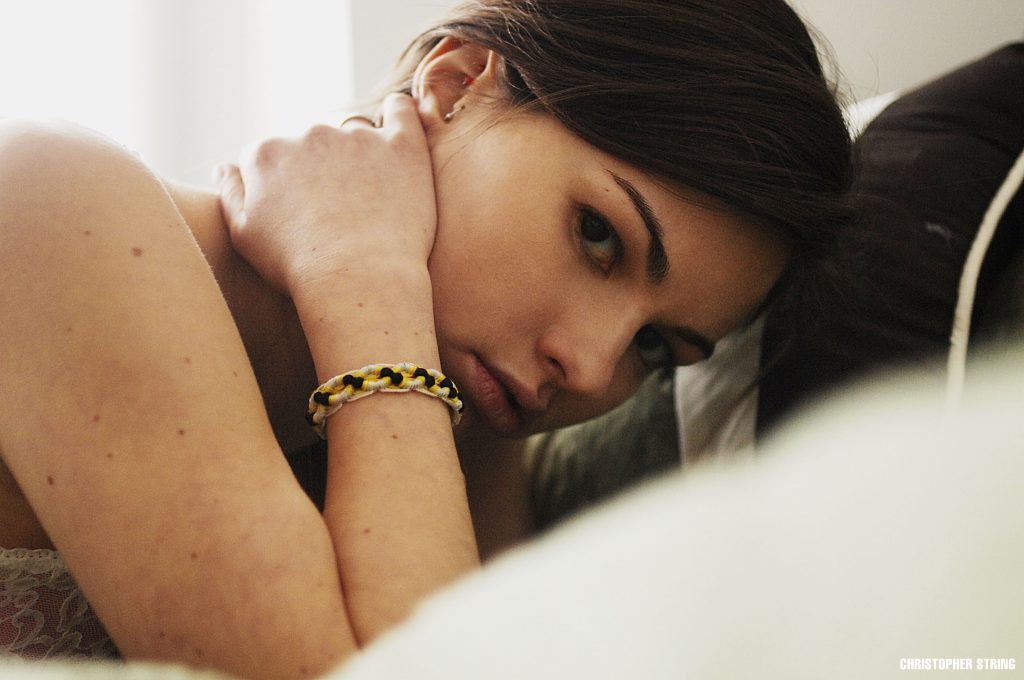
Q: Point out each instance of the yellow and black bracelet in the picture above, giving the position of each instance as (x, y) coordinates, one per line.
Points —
(403, 377)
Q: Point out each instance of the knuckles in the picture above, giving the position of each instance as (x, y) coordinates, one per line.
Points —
(321, 139)
(266, 152)
(320, 136)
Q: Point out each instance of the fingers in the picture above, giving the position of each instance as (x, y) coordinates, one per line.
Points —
(398, 113)
(232, 194)
(399, 110)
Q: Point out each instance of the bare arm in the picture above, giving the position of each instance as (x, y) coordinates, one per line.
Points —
(133, 423)
(413, 533)
(343, 221)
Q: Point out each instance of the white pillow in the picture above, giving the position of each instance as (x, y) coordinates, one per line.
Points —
(872, 534)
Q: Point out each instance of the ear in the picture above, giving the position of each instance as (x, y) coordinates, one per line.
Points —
(453, 70)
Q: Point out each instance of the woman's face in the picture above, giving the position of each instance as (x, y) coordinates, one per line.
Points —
(562, 276)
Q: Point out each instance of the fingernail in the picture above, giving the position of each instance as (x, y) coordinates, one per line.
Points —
(218, 173)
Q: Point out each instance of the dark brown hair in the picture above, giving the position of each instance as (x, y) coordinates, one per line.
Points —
(727, 97)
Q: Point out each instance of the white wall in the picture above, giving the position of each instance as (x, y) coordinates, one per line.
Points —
(187, 82)
(383, 28)
(227, 72)
(882, 45)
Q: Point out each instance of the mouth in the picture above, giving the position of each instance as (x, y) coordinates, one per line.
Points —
(493, 400)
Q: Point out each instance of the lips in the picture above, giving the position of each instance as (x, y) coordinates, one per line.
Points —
(492, 400)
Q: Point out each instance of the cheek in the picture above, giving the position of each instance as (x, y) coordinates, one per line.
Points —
(492, 247)
(489, 285)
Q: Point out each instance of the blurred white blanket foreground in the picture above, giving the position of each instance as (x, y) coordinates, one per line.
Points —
(873, 535)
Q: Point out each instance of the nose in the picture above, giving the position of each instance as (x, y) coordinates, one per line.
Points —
(581, 351)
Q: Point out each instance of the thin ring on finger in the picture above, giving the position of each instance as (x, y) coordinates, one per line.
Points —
(369, 121)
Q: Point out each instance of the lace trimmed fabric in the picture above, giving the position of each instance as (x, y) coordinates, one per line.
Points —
(43, 613)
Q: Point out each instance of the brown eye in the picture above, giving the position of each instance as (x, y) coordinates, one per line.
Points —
(598, 239)
(654, 351)
(594, 228)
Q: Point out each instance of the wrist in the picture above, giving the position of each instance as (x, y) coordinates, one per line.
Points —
(348, 262)
(368, 380)
(356, 316)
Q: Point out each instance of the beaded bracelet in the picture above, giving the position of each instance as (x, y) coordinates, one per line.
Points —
(404, 377)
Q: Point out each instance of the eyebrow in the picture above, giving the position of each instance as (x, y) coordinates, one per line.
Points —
(657, 260)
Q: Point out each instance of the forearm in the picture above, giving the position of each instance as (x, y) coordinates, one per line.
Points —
(396, 503)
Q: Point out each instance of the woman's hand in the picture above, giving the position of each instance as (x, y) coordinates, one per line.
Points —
(301, 209)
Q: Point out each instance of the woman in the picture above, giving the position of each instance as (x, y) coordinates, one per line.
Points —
(573, 196)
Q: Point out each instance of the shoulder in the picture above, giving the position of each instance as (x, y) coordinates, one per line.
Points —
(58, 176)
(103, 284)
(89, 231)
(108, 301)
(36, 156)
(69, 169)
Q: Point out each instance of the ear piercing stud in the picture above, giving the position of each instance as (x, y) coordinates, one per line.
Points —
(451, 114)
